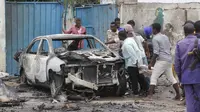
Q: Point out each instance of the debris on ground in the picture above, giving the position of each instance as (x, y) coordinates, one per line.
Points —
(6, 94)
(71, 107)
(3, 74)
(55, 101)
(12, 103)
(76, 98)
(39, 100)
(61, 98)
(43, 107)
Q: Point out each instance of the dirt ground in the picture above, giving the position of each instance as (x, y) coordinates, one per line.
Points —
(39, 100)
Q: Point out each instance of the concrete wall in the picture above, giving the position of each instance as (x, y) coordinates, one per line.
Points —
(159, 1)
(168, 1)
(145, 14)
(2, 36)
(123, 1)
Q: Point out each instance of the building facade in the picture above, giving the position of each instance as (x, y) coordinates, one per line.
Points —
(159, 1)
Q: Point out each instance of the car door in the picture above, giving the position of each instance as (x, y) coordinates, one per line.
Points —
(29, 60)
(42, 58)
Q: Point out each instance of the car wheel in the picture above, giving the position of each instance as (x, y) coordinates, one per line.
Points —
(122, 87)
(56, 84)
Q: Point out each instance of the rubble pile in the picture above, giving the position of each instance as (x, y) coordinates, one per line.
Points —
(6, 93)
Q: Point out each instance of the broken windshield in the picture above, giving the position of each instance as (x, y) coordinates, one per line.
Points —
(63, 45)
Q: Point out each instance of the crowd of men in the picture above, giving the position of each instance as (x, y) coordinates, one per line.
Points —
(135, 49)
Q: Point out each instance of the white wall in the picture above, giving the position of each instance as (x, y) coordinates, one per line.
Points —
(144, 14)
(108, 1)
(159, 1)
(168, 1)
(2, 37)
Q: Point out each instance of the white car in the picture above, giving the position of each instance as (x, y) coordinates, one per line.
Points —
(75, 62)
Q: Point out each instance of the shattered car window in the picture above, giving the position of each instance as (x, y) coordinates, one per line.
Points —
(44, 50)
(34, 47)
(63, 45)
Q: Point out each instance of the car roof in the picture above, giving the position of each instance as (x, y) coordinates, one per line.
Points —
(64, 36)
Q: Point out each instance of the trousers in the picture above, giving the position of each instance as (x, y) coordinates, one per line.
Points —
(160, 68)
(192, 94)
(136, 78)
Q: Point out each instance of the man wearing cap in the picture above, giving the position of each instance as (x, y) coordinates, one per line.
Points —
(189, 78)
(146, 33)
(141, 39)
(131, 55)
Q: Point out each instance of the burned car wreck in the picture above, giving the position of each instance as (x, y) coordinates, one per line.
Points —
(74, 62)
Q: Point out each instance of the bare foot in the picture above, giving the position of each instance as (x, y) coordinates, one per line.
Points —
(182, 99)
(183, 103)
(148, 98)
(177, 98)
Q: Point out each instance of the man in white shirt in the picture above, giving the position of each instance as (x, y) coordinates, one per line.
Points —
(141, 42)
(130, 53)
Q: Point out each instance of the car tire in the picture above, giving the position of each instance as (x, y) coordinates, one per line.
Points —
(122, 87)
(56, 84)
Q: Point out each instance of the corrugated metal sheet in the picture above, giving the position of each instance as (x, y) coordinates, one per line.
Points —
(25, 21)
(168, 1)
(97, 18)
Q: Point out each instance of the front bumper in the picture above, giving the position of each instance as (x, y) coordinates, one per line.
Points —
(77, 81)
(93, 75)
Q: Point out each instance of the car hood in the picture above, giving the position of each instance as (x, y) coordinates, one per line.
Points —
(92, 55)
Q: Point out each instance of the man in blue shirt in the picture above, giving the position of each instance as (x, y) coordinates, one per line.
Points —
(189, 78)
